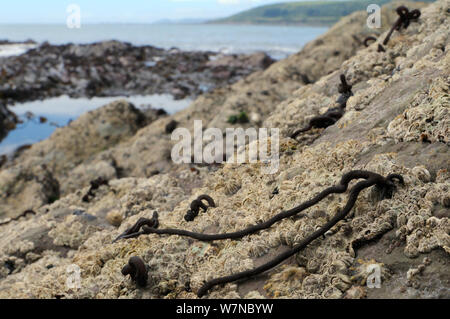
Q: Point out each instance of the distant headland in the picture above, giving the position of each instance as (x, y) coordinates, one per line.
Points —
(302, 12)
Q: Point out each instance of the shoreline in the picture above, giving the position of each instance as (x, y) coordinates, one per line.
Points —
(115, 69)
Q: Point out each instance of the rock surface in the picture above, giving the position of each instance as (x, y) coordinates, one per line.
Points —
(396, 122)
(115, 68)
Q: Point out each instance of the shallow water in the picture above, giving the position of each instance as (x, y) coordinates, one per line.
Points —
(277, 41)
(60, 110)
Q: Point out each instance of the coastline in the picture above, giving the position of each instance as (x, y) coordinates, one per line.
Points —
(112, 68)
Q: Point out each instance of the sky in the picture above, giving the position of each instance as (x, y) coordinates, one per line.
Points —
(122, 11)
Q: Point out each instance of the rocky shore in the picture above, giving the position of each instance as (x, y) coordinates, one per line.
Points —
(116, 68)
(396, 121)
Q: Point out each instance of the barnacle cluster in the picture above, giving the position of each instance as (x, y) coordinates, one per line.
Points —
(427, 119)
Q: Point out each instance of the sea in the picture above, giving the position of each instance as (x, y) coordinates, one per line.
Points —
(277, 41)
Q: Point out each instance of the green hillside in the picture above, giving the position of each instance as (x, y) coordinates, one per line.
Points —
(308, 12)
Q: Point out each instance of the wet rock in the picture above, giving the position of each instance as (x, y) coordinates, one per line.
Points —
(8, 121)
(114, 68)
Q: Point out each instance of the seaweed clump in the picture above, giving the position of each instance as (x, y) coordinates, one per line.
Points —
(403, 21)
(196, 205)
(137, 269)
(332, 115)
(242, 118)
(95, 184)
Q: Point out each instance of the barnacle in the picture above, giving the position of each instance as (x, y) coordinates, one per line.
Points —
(362, 269)
(290, 278)
(355, 292)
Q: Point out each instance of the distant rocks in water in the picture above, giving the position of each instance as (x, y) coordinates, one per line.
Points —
(6, 42)
(115, 68)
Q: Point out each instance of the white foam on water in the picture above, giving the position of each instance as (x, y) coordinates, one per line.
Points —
(67, 106)
(7, 50)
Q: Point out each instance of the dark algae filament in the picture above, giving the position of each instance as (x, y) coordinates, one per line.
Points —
(133, 231)
(385, 184)
(196, 205)
(95, 184)
(333, 114)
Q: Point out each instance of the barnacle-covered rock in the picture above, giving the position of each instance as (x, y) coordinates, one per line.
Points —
(287, 281)
(427, 119)
(372, 135)
(114, 218)
(355, 292)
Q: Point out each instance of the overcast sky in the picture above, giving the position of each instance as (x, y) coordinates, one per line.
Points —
(122, 11)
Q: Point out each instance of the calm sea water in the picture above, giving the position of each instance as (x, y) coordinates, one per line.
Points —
(60, 110)
(277, 41)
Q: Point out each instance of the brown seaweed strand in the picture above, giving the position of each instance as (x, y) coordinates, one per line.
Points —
(28, 211)
(337, 189)
(374, 179)
(137, 269)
